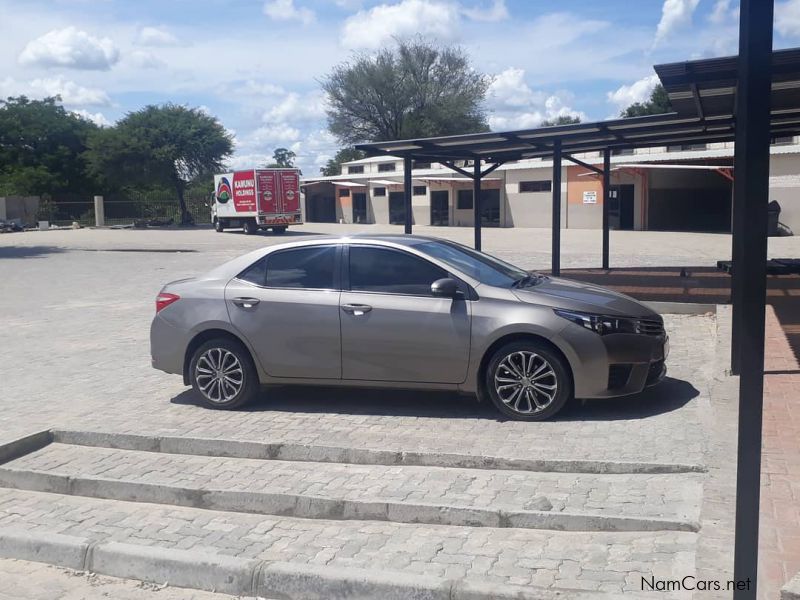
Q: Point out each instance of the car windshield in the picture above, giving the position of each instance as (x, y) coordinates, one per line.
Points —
(479, 266)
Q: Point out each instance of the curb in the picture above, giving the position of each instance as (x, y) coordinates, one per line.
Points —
(791, 591)
(316, 507)
(681, 308)
(252, 577)
(309, 453)
(25, 445)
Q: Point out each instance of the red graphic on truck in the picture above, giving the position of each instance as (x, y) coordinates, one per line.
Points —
(244, 191)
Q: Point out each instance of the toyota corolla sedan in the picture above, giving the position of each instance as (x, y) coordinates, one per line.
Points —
(403, 311)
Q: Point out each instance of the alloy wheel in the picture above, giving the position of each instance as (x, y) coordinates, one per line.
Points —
(219, 375)
(525, 382)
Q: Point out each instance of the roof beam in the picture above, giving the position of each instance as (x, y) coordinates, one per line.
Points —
(585, 165)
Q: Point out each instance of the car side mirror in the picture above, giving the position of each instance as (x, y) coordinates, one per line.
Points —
(445, 288)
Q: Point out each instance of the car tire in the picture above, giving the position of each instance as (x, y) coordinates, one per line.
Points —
(222, 357)
(250, 227)
(219, 227)
(279, 230)
(524, 392)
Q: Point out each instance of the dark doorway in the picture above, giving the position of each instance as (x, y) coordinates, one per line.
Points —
(359, 208)
(490, 208)
(321, 208)
(397, 210)
(689, 200)
(620, 207)
(440, 207)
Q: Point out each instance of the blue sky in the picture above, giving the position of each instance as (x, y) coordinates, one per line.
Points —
(256, 64)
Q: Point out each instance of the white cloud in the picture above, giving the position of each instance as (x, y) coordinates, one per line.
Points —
(720, 12)
(638, 91)
(285, 10)
(787, 18)
(515, 105)
(261, 88)
(97, 118)
(674, 14)
(272, 134)
(496, 12)
(144, 59)
(296, 108)
(156, 36)
(70, 47)
(372, 28)
(71, 93)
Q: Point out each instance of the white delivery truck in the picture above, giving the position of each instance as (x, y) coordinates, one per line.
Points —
(257, 199)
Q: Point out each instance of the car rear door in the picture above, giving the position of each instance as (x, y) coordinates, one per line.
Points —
(287, 306)
(393, 329)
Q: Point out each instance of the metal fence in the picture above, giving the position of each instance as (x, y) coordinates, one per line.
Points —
(124, 209)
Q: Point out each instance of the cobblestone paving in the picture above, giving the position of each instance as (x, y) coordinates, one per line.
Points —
(77, 307)
(600, 561)
(673, 496)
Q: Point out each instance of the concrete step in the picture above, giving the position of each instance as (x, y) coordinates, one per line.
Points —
(286, 557)
(411, 494)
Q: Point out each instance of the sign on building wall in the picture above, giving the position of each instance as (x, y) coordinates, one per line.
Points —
(590, 197)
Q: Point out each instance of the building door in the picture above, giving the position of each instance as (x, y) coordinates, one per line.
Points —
(620, 207)
(321, 208)
(440, 208)
(397, 210)
(490, 208)
(359, 208)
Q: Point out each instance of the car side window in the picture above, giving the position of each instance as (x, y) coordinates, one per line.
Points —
(255, 273)
(311, 267)
(391, 271)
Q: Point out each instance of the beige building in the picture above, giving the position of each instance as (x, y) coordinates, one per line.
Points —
(675, 188)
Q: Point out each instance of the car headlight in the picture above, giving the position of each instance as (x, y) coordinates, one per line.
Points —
(600, 324)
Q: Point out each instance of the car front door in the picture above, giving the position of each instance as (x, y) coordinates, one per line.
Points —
(287, 306)
(393, 329)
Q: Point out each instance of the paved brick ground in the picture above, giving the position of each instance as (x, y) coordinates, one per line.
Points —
(77, 306)
(780, 483)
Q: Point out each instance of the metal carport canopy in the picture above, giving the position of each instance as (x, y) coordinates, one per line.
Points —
(747, 97)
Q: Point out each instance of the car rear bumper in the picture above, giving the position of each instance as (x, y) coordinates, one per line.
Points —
(167, 346)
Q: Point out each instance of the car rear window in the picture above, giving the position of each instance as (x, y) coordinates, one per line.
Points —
(302, 268)
(255, 273)
(391, 271)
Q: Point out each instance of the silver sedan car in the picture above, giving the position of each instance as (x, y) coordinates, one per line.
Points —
(403, 311)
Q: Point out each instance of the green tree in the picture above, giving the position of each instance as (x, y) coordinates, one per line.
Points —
(282, 158)
(42, 148)
(334, 165)
(562, 120)
(166, 146)
(656, 105)
(414, 89)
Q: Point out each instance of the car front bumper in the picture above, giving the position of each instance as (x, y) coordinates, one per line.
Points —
(614, 365)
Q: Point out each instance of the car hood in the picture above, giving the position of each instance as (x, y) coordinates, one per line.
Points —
(576, 295)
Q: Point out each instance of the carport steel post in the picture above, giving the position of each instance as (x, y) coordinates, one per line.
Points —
(751, 194)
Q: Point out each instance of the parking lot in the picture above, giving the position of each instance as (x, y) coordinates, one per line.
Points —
(642, 486)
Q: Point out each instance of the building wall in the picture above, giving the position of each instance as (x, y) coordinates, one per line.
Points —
(784, 170)
(580, 215)
(532, 209)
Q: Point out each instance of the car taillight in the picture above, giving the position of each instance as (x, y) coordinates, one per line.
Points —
(164, 299)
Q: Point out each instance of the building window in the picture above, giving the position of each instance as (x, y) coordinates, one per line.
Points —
(420, 190)
(541, 185)
(780, 140)
(355, 169)
(385, 167)
(418, 164)
(464, 200)
(379, 191)
(685, 147)
(344, 192)
(621, 151)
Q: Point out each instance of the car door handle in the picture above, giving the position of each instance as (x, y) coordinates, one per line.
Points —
(246, 302)
(356, 309)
